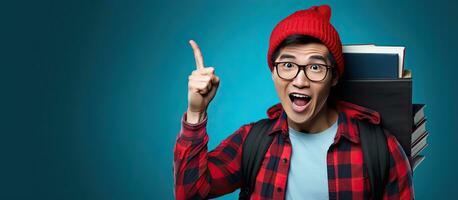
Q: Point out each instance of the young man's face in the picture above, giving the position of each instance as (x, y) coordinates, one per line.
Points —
(300, 110)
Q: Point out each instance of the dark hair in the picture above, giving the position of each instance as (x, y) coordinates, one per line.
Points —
(300, 39)
(305, 39)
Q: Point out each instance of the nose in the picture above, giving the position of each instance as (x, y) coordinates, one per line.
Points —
(301, 80)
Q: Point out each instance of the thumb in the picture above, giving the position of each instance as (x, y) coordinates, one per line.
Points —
(215, 81)
(215, 84)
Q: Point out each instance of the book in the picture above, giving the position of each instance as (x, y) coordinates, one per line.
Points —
(391, 98)
(373, 62)
(383, 66)
(419, 145)
(416, 161)
(419, 149)
(419, 130)
(419, 113)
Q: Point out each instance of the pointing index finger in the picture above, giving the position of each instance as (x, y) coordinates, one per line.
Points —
(197, 55)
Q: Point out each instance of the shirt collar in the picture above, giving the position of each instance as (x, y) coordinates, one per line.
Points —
(347, 128)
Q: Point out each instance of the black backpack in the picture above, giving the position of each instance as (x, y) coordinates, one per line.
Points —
(373, 143)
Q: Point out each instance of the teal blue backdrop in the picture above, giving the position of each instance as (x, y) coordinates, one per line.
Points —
(94, 90)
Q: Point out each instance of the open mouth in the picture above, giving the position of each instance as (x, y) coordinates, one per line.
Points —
(300, 101)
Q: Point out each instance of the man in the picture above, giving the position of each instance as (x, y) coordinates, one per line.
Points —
(316, 151)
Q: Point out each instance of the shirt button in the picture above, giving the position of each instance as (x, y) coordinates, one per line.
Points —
(279, 189)
(285, 160)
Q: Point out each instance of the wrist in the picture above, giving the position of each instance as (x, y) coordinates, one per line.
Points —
(194, 117)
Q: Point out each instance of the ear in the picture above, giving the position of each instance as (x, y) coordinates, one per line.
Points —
(335, 77)
(273, 74)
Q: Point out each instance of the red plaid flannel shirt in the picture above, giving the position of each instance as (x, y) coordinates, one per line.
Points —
(199, 174)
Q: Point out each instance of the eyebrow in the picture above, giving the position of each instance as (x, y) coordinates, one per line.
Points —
(314, 57)
(318, 57)
(283, 56)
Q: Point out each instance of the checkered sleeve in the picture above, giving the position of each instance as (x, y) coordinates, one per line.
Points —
(199, 174)
(400, 185)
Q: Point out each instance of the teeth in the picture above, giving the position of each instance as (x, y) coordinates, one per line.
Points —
(299, 95)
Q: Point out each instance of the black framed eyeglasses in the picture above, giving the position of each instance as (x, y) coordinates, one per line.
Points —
(314, 72)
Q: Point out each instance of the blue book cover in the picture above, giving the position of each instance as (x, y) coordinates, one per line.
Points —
(362, 66)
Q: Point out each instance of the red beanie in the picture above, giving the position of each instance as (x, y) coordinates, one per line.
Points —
(314, 22)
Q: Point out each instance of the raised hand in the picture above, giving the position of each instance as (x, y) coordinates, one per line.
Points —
(202, 87)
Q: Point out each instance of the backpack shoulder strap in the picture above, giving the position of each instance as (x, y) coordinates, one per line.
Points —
(376, 156)
(253, 152)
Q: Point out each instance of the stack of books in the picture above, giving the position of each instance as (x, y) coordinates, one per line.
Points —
(375, 78)
(419, 135)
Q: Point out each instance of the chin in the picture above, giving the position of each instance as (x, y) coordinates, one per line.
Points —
(299, 119)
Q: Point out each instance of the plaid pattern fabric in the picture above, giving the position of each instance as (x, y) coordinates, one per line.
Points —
(200, 174)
